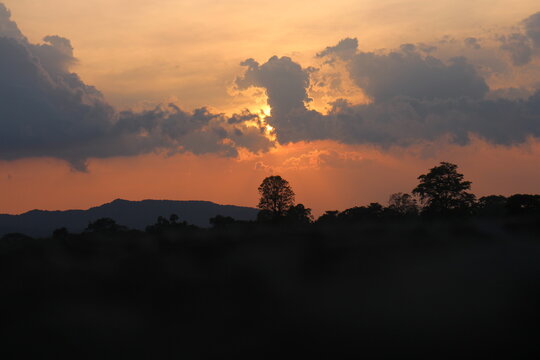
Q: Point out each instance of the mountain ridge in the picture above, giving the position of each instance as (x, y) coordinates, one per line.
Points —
(133, 214)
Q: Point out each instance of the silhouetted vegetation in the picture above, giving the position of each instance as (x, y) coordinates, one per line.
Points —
(430, 275)
(443, 191)
(277, 196)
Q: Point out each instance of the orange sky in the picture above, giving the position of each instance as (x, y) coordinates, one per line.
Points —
(141, 53)
(324, 175)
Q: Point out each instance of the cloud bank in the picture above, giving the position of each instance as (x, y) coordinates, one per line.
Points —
(416, 97)
(48, 111)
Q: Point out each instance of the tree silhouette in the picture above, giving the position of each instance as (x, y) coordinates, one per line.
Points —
(520, 204)
(443, 190)
(492, 205)
(402, 204)
(329, 217)
(299, 214)
(174, 218)
(277, 196)
(371, 212)
(104, 225)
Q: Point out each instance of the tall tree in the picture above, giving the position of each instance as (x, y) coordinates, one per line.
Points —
(443, 190)
(277, 196)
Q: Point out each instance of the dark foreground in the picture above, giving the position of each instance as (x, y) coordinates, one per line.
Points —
(407, 289)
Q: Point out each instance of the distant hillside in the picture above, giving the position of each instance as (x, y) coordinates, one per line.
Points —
(133, 214)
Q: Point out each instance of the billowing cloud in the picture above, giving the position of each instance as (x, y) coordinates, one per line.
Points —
(415, 95)
(522, 46)
(405, 121)
(416, 98)
(532, 29)
(47, 111)
(345, 49)
(285, 83)
(9, 28)
(407, 72)
(519, 48)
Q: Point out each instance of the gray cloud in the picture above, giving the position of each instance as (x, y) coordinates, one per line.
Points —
(47, 111)
(285, 83)
(415, 98)
(408, 73)
(532, 28)
(473, 43)
(405, 121)
(345, 49)
(519, 48)
(9, 28)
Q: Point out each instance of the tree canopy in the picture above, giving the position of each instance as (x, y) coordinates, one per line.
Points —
(443, 190)
(277, 196)
(402, 204)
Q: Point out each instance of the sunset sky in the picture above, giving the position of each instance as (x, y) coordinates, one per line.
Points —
(201, 99)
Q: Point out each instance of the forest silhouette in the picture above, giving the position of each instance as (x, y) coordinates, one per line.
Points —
(435, 273)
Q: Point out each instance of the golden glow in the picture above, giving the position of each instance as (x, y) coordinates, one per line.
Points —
(265, 112)
(325, 176)
(143, 51)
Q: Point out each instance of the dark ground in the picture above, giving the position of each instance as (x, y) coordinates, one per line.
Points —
(407, 289)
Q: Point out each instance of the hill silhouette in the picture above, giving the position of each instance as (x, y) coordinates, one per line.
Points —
(133, 214)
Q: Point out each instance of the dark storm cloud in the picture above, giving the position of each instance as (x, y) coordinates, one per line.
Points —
(45, 110)
(415, 98)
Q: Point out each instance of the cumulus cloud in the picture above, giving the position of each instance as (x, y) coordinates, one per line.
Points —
(416, 98)
(406, 72)
(9, 28)
(524, 45)
(345, 49)
(532, 29)
(518, 47)
(285, 82)
(405, 121)
(46, 110)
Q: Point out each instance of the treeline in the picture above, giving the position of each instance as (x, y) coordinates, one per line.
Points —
(401, 206)
(432, 272)
(442, 194)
